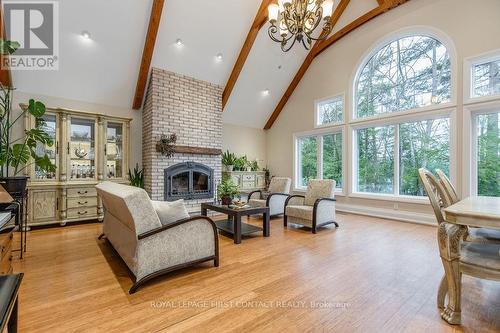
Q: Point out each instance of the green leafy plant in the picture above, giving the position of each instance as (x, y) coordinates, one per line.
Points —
(254, 165)
(241, 163)
(227, 190)
(136, 177)
(21, 152)
(228, 158)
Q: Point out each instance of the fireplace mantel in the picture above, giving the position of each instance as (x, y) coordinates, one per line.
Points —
(197, 150)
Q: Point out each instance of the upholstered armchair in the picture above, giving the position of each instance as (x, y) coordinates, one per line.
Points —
(154, 238)
(278, 192)
(314, 209)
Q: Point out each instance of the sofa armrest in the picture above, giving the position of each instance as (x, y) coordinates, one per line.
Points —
(177, 223)
(254, 192)
(275, 195)
(293, 198)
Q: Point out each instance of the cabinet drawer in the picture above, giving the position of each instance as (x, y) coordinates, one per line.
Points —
(248, 185)
(76, 213)
(82, 202)
(82, 192)
(248, 178)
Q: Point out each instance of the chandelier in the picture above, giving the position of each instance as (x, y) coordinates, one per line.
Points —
(296, 20)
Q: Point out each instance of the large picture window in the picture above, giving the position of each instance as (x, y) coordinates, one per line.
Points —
(407, 73)
(486, 78)
(319, 156)
(488, 153)
(409, 146)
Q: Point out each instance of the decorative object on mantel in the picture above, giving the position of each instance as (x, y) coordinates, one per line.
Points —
(297, 20)
(166, 145)
(137, 177)
(227, 190)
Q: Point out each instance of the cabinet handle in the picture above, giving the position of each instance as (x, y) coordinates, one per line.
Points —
(84, 192)
(80, 213)
(57, 203)
(82, 203)
(68, 147)
(57, 147)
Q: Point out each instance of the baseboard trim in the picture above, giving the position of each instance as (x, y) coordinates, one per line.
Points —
(398, 215)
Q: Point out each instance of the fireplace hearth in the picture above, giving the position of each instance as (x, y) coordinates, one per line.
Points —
(189, 180)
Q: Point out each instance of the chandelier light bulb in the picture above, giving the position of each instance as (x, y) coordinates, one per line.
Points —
(219, 56)
(327, 7)
(265, 92)
(273, 12)
(178, 42)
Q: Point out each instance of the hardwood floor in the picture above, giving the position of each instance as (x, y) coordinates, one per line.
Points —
(369, 275)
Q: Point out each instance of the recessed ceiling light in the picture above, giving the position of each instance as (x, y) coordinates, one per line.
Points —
(265, 92)
(219, 56)
(178, 42)
(86, 34)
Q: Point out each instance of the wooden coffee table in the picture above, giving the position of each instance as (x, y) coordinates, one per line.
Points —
(233, 224)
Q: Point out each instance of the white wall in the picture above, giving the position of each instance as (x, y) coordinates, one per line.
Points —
(56, 102)
(245, 140)
(472, 26)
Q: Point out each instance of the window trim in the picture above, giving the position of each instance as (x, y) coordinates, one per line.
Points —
(469, 158)
(319, 133)
(468, 65)
(410, 31)
(325, 99)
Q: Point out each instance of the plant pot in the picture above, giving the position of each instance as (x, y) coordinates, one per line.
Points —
(226, 200)
(15, 185)
(229, 168)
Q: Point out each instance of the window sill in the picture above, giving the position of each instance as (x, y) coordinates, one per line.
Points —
(338, 191)
(391, 197)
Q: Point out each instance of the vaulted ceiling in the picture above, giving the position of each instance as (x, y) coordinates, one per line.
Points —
(104, 69)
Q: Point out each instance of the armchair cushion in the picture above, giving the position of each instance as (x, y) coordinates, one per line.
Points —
(301, 212)
(257, 202)
(280, 185)
(319, 188)
(170, 211)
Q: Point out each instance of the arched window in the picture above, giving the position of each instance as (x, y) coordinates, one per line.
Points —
(407, 73)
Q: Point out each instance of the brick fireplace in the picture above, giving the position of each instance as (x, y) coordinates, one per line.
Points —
(191, 109)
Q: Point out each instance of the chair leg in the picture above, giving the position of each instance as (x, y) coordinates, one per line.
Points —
(100, 236)
(442, 291)
(313, 230)
(336, 224)
(285, 221)
(216, 262)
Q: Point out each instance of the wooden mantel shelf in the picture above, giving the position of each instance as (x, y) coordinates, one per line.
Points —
(197, 150)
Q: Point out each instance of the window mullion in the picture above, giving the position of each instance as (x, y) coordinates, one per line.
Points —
(396, 160)
(319, 155)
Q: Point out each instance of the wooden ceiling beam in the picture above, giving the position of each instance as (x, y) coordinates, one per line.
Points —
(147, 52)
(323, 45)
(259, 20)
(303, 68)
(5, 74)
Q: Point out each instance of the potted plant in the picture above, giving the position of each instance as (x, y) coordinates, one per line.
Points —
(19, 153)
(239, 163)
(136, 177)
(228, 160)
(226, 191)
(254, 166)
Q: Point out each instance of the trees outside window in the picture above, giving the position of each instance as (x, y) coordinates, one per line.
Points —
(486, 78)
(407, 73)
(332, 158)
(308, 168)
(330, 111)
(422, 144)
(325, 149)
(488, 154)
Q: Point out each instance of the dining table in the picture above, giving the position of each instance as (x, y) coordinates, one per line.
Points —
(476, 212)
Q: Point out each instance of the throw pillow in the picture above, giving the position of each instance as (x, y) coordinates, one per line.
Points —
(170, 211)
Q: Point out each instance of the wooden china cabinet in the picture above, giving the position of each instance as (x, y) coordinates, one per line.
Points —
(88, 148)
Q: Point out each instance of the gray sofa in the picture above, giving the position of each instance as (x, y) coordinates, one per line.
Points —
(149, 247)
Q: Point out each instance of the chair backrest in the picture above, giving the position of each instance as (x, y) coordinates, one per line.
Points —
(130, 205)
(435, 192)
(319, 188)
(280, 185)
(449, 189)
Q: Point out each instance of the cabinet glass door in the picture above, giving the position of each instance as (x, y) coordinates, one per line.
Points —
(48, 123)
(114, 150)
(81, 149)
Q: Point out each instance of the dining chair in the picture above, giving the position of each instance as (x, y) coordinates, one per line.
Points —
(484, 235)
(480, 260)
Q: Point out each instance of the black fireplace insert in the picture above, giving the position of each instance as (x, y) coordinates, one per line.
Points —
(189, 180)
